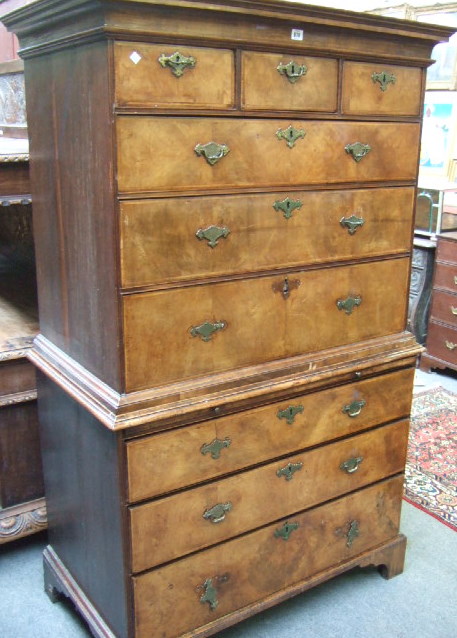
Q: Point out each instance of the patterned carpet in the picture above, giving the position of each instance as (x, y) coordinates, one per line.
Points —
(431, 469)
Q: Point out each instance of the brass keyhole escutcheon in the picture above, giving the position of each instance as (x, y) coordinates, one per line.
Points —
(209, 594)
(290, 135)
(287, 206)
(349, 304)
(286, 286)
(215, 447)
(290, 413)
(286, 530)
(383, 79)
(177, 63)
(289, 470)
(293, 71)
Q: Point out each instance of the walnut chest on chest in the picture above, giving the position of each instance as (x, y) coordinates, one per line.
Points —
(223, 216)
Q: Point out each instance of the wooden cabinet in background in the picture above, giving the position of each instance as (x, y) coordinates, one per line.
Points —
(223, 267)
(442, 327)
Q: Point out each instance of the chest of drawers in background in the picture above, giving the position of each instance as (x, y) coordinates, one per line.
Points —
(442, 326)
(223, 269)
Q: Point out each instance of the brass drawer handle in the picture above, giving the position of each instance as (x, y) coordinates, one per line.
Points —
(290, 135)
(352, 223)
(286, 286)
(450, 345)
(177, 63)
(349, 304)
(206, 330)
(286, 530)
(209, 594)
(290, 413)
(351, 465)
(216, 514)
(289, 470)
(355, 408)
(287, 206)
(455, 280)
(357, 150)
(212, 234)
(453, 310)
(384, 79)
(212, 152)
(215, 447)
(293, 71)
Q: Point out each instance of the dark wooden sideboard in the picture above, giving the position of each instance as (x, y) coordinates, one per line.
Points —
(225, 374)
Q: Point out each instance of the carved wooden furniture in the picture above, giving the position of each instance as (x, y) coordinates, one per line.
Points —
(442, 328)
(223, 269)
(22, 505)
(420, 287)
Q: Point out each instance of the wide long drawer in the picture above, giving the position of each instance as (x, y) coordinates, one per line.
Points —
(442, 342)
(171, 527)
(445, 277)
(165, 462)
(176, 239)
(238, 323)
(197, 590)
(444, 307)
(171, 154)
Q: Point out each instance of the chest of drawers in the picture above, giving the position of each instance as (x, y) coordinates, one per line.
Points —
(442, 326)
(223, 266)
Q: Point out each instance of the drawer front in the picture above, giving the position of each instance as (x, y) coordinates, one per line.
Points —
(442, 342)
(165, 462)
(445, 277)
(176, 525)
(447, 251)
(156, 154)
(291, 83)
(193, 237)
(157, 75)
(239, 323)
(245, 570)
(377, 89)
(444, 307)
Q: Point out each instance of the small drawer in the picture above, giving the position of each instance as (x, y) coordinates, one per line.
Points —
(156, 75)
(165, 462)
(172, 239)
(445, 277)
(240, 572)
(232, 324)
(442, 342)
(157, 154)
(171, 527)
(288, 83)
(377, 89)
(444, 307)
(447, 251)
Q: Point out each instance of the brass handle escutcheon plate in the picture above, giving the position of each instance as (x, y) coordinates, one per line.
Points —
(293, 71)
(351, 465)
(209, 594)
(384, 79)
(352, 533)
(212, 151)
(450, 345)
(290, 135)
(290, 413)
(349, 304)
(351, 223)
(206, 330)
(216, 514)
(286, 530)
(215, 447)
(289, 470)
(212, 234)
(177, 63)
(357, 150)
(355, 408)
(453, 310)
(287, 206)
